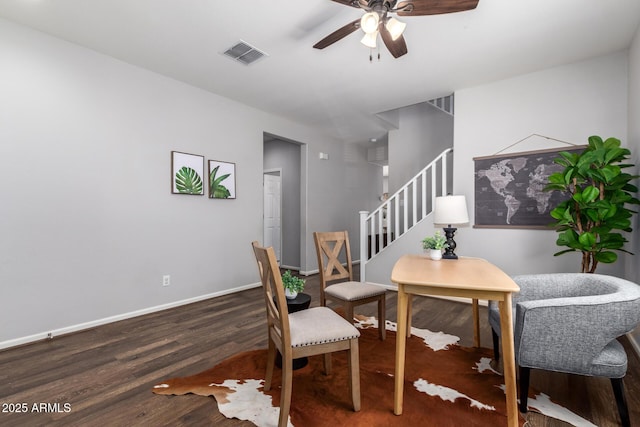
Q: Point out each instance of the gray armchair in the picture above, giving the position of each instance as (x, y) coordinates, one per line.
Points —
(570, 323)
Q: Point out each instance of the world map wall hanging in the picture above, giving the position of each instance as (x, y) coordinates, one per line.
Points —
(509, 189)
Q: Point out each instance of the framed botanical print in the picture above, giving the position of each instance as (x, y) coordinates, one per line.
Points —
(222, 180)
(187, 172)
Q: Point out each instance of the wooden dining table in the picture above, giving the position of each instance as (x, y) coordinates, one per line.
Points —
(464, 277)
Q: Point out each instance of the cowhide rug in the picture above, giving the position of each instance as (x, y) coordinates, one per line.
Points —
(445, 385)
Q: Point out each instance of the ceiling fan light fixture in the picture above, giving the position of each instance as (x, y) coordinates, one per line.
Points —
(369, 40)
(376, 13)
(395, 27)
(369, 22)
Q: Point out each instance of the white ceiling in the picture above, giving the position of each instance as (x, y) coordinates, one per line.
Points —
(336, 88)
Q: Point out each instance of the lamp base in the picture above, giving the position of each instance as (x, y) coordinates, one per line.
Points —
(449, 251)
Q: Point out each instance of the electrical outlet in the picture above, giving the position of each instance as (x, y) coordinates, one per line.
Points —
(166, 280)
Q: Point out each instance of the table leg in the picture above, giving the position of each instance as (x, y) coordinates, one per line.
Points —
(508, 357)
(401, 342)
(476, 323)
(409, 312)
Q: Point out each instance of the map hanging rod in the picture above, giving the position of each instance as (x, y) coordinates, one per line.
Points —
(532, 135)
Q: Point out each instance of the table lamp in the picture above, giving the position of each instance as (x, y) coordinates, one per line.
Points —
(450, 210)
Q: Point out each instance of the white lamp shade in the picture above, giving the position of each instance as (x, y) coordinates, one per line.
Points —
(369, 40)
(369, 22)
(450, 210)
(395, 28)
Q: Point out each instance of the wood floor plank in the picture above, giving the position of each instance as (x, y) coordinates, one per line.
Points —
(106, 374)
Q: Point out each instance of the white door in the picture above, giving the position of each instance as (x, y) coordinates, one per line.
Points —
(272, 213)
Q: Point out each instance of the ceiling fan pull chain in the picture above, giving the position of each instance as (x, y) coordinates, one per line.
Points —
(370, 55)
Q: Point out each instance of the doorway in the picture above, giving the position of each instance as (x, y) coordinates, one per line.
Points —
(272, 202)
(283, 159)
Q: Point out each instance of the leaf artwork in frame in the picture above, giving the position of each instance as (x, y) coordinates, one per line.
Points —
(222, 180)
(187, 171)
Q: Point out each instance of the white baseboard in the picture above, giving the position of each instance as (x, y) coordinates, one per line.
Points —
(309, 273)
(92, 324)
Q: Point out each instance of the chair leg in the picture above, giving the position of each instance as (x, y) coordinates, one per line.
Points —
(271, 361)
(496, 345)
(285, 394)
(525, 373)
(327, 363)
(354, 374)
(618, 392)
(348, 312)
(382, 322)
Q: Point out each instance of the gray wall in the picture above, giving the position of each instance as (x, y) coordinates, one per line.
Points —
(632, 266)
(423, 133)
(88, 223)
(633, 270)
(343, 186)
(569, 103)
(285, 155)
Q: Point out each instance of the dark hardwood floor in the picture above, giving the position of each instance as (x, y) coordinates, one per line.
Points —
(105, 375)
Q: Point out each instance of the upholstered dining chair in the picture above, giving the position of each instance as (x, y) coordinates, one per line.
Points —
(336, 279)
(570, 323)
(314, 331)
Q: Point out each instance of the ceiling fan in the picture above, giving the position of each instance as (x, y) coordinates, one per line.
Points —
(377, 20)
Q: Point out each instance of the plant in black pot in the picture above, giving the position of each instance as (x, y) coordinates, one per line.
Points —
(292, 284)
(595, 212)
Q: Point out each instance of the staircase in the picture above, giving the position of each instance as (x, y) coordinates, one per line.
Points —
(386, 226)
(444, 103)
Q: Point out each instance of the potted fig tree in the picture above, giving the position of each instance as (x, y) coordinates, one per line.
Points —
(595, 213)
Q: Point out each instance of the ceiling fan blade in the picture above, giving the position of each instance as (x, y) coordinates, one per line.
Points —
(397, 47)
(351, 3)
(435, 7)
(338, 34)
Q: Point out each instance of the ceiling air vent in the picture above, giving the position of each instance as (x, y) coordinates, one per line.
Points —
(244, 52)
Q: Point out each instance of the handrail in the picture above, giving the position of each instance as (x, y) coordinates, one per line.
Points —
(399, 213)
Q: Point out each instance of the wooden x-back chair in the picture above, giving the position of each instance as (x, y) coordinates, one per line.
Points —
(330, 246)
(317, 330)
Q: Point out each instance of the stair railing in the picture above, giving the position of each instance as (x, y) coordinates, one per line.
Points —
(403, 210)
(446, 104)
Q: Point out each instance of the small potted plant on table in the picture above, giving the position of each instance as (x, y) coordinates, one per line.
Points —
(292, 284)
(434, 245)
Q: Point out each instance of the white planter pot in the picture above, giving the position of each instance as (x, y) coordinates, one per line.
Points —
(435, 254)
(290, 294)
